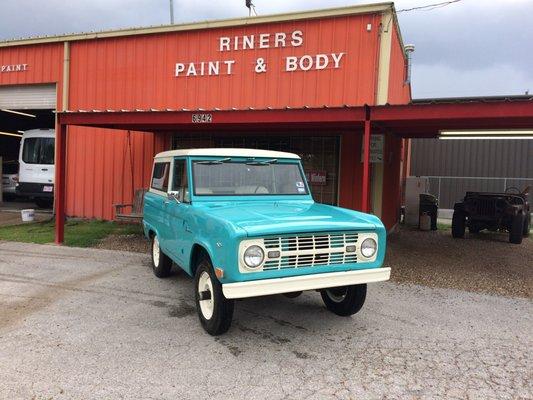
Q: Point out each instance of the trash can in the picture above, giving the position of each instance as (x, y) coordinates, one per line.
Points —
(429, 205)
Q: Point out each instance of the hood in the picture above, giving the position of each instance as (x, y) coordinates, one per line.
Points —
(270, 218)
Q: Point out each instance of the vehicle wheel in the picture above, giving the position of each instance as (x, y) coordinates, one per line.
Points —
(517, 229)
(214, 310)
(474, 229)
(458, 224)
(161, 263)
(527, 226)
(292, 295)
(344, 300)
(44, 203)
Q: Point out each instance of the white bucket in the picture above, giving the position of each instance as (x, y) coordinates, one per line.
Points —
(28, 215)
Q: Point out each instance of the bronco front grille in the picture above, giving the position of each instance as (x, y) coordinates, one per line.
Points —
(310, 250)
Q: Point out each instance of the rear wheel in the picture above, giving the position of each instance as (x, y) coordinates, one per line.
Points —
(214, 310)
(344, 300)
(517, 229)
(161, 263)
(527, 225)
(458, 224)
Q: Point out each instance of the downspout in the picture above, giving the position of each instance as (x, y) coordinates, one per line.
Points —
(60, 152)
(66, 76)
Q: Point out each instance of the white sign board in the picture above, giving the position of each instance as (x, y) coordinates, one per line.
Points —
(376, 149)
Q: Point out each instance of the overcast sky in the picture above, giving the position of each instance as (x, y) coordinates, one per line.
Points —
(470, 48)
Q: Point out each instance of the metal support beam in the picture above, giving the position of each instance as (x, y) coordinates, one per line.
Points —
(366, 165)
(60, 183)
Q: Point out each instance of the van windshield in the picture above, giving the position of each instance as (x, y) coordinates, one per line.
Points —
(38, 150)
(260, 178)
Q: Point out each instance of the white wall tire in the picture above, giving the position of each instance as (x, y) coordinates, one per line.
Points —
(214, 310)
(161, 263)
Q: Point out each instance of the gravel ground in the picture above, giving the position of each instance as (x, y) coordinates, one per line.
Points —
(485, 262)
(133, 242)
(96, 324)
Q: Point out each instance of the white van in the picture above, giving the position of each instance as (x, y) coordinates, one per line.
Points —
(36, 169)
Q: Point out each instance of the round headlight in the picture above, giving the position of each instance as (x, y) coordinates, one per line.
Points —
(368, 247)
(253, 256)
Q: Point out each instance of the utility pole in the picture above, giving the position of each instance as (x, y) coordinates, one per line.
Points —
(172, 12)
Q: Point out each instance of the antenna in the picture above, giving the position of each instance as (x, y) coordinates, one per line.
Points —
(172, 12)
(251, 8)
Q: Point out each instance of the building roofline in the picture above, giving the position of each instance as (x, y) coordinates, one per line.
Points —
(472, 99)
(221, 23)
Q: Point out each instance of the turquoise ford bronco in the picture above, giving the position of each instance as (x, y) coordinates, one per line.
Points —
(243, 223)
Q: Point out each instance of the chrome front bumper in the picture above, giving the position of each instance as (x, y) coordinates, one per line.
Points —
(267, 287)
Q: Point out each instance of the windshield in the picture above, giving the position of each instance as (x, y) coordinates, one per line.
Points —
(230, 178)
(38, 150)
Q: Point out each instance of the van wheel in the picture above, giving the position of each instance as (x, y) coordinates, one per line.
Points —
(161, 263)
(214, 310)
(344, 300)
(458, 224)
(44, 203)
(517, 229)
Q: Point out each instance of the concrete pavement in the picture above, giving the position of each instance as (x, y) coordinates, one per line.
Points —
(93, 324)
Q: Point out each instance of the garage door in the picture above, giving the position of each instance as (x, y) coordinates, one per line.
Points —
(28, 97)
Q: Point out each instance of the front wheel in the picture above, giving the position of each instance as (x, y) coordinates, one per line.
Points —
(458, 224)
(344, 300)
(214, 310)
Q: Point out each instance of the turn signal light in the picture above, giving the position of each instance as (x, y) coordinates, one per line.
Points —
(273, 254)
(219, 272)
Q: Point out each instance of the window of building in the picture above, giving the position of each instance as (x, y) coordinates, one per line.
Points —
(319, 154)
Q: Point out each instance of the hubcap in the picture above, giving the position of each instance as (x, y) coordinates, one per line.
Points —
(155, 251)
(337, 294)
(205, 285)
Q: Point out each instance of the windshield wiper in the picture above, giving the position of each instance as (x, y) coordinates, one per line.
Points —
(267, 162)
(214, 162)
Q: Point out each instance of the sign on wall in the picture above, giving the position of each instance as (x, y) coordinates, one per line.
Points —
(306, 62)
(13, 68)
(317, 178)
(376, 149)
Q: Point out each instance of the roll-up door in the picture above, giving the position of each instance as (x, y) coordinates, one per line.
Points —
(29, 97)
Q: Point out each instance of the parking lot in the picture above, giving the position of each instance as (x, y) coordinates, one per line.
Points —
(85, 323)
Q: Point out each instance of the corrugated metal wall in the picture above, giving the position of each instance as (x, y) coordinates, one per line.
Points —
(139, 71)
(458, 160)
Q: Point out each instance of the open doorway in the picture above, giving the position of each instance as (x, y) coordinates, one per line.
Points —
(26, 108)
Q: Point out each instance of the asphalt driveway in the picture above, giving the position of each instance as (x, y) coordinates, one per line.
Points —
(93, 324)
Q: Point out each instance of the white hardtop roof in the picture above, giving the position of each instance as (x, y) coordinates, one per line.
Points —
(228, 153)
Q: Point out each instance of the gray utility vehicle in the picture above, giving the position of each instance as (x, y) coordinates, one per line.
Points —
(507, 211)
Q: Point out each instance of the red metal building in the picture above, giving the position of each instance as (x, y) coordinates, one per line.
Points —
(304, 82)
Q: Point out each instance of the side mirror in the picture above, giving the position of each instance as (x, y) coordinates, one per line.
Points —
(174, 196)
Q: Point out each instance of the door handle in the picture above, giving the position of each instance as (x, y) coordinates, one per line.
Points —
(186, 227)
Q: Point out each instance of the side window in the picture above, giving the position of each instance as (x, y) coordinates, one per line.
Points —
(180, 184)
(160, 176)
